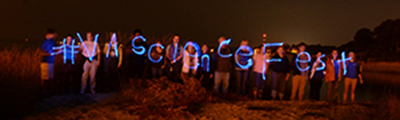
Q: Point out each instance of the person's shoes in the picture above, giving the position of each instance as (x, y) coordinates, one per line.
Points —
(92, 91)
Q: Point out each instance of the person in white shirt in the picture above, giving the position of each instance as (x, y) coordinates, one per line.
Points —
(259, 67)
(189, 67)
(91, 51)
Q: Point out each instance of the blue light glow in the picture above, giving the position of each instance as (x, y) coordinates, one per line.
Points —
(197, 49)
(249, 61)
(84, 46)
(303, 61)
(139, 50)
(149, 53)
(322, 62)
(63, 49)
(225, 42)
(113, 38)
(344, 59)
(208, 61)
(270, 60)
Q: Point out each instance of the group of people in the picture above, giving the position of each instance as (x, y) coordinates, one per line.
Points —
(213, 67)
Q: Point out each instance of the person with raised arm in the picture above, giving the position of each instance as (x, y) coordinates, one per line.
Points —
(316, 77)
(189, 67)
(300, 73)
(259, 67)
(242, 70)
(157, 67)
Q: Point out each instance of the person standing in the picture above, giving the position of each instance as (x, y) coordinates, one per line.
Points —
(300, 73)
(157, 68)
(174, 53)
(189, 67)
(333, 76)
(112, 62)
(259, 67)
(47, 64)
(68, 69)
(316, 77)
(222, 67)
(91, 52)
(280, 73)
(353, 72)
(242, 74)
(135, 60)
(204, 73)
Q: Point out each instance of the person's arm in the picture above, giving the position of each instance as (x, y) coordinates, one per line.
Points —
(180, 54)
(167, 52)
(43, 51)
(359, 68)
(98, 54)
(120, 55)
(196, 61)
(313, 69)
(105, 48)
(341, 71)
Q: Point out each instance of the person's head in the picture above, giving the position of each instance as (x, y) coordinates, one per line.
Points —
(244, 42)
(89, 36)
(334, 54)
(190, 49)
(220, 39)
(352, 55)
(319, 54)
(137, 32)
(158, 48)
(175, 39)
(302, 47)
(69, 38)
(204, 48)
(280, 50)
(50, 34)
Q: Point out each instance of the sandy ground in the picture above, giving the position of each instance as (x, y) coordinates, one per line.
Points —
(98, 106)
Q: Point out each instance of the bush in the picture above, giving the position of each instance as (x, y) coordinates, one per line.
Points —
(19, 81)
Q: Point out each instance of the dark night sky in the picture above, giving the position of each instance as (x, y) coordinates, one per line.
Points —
(326, 22)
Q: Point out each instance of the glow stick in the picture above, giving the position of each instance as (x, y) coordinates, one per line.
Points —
(250, 61)
(142, 49)
(113, 38)
(322, 62)
(149, 53)
(270, 60)
(303, 61)
(225, 42)
(208, 61)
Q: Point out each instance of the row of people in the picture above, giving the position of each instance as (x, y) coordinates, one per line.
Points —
(181, 63)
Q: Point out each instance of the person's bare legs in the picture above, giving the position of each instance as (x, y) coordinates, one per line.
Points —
(353, 91)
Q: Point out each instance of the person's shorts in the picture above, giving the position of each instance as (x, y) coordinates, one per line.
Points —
(47, 70)
(350, 81)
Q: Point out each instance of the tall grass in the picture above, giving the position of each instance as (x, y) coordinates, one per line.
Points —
(388, 67)
(19, 81)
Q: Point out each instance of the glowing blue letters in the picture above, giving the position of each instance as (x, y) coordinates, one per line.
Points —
(90, 56)
(63, 49)
(303, 61)
(197, 49)
(249, 61)
(113, 38)
(344, 59)
(149, 53)
(322, 62)
(225, 42)
(206, 56)
(139, 50)
(270, 60)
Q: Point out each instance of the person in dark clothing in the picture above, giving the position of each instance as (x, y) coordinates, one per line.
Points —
(112, 62)
(68, 70)
(174, 54)
(204, 73)
(280, 73)
(316, 77)
(157, 68)
(136, 60)
(222, 67)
